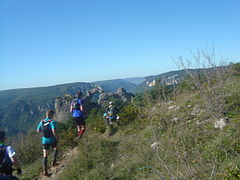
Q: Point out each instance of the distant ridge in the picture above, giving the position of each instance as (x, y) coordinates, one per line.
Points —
(20, 109)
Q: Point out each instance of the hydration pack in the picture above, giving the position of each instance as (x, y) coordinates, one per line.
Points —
(112, 111)
(5, 167)
(75, 104)
(46, 129)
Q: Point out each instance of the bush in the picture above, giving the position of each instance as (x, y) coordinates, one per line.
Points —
(128, 114)
(28, 147)
(236, 68)
(95, 120)
(94, 160)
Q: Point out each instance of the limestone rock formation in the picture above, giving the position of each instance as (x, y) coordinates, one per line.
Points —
(62, 104)
(121, 94)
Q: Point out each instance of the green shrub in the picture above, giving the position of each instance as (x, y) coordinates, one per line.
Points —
(232, 173)
(28, 147)
(95, 120)
(94, 160)
(128, 114)
(67, 138)
(236, 68)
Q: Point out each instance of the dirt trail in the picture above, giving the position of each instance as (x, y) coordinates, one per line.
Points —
(57, 170)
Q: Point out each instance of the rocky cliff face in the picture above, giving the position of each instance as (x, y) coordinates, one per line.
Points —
(62, 104)
(62, 107)
(22, 115)
(121, 94)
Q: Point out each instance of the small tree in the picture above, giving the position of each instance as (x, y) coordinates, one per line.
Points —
(208, 78)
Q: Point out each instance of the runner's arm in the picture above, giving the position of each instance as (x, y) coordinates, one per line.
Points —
(81, 108)
(81, 105)
(13, 157)
(70, 108)
(15, 161)
(39, 127)
(54, 132)
(53, 127)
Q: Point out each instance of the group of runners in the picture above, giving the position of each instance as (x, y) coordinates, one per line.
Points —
(47, 127)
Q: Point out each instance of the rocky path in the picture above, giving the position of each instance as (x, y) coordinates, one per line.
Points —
(57, 170)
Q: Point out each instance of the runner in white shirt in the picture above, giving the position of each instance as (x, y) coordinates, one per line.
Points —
(7, 158)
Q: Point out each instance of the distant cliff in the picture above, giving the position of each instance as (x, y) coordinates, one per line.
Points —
(22, 109)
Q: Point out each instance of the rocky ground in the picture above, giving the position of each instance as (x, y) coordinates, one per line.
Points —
(57, 170)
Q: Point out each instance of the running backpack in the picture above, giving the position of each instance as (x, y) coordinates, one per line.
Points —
(5, 168)
(113, 111)
(75, 104)
(46, 129)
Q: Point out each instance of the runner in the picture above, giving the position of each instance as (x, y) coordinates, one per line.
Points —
(111, 113)
(76, 110)
(7, 160)
(47, 127)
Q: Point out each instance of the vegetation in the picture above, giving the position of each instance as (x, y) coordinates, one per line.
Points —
(21, 109)
(188, 146)
(169, 132)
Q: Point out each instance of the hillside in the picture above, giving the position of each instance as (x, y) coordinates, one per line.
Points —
(20, 109)
(176, 135)
(113, 85)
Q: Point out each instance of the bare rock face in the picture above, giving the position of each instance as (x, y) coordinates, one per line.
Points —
(121, 94)
(62, 104)
(95, 90)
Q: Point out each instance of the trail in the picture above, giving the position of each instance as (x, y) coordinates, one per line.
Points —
(56, 171)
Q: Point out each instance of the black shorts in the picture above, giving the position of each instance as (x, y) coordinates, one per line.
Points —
(53, 145)
(79, 120)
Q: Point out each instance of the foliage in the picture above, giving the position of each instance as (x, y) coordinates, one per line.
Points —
(21, 109)
(209, 80)
(233, 173)
(95, 159)
(28, 147)
(95, 120)
(185, 86)
(236, 68)
(67, 137)
(128, 114)
(187, 145)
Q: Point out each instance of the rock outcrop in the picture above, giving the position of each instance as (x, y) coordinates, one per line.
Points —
(121, 94)
(62, 104)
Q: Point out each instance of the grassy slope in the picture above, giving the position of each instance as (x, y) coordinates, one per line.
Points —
(189, 147)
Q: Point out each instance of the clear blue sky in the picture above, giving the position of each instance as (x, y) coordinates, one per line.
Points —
(48, 42)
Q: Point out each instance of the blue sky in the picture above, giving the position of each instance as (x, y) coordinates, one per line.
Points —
(49, 42)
